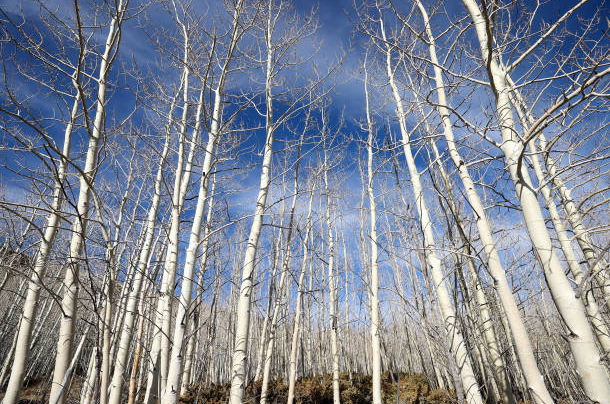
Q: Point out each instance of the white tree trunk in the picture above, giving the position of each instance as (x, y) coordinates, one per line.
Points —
(195, 338)
(581, 233)
(456, 341)
(374, 285)
(170, 396)
(284, 274)
(332, 288)
(591, 371)
(536, 384)
(164, 313)
(24, 333)
(593, 310)
(140, 274)
(263, 338)
(238, 373)
(297, 314)
(68, 304)
(240, 349)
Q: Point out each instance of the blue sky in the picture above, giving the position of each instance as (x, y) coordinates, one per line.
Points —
(335, 36)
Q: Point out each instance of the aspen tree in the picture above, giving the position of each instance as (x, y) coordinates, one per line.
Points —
(189, 366)
(332, 288)
(170, 395)
(280, 52)
(172, 388)
(161, 342)
(131, 396)
(522, 343)
(268, 313)
(140, 270)
(581, 234)
(500, 372)
(374, 288)
(297, 313)
(238, 372)
(284, 272)
(69, 301)
(23, 337)
(592, 373)
(111, 258)
(593, 312)
(457, 346)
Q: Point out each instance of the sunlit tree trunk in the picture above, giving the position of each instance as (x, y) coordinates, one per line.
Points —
(240, 355)
(140, 273)
(270, 290)
(189, 366)
(23, 337)
(172, 388)
(593, 310)
(297, 314)
(332, 288)
(283, 275)
(374, 284)
(592, 372)
(594, 262)
(69, 301)
(456, 341)
(160, 351)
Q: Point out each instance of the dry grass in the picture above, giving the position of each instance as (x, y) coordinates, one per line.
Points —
(396, 388)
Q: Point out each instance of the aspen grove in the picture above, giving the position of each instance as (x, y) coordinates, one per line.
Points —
(233, 200)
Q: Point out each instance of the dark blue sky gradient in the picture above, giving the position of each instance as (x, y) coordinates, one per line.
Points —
(336, 38)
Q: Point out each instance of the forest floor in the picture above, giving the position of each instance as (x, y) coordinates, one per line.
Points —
(36, 391)
(396, 388)
(355, 389)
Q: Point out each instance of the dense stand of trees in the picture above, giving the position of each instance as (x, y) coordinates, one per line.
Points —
(189, 196)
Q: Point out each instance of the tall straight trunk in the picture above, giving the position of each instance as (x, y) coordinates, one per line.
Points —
(240, 349)
(592, 373)
(419, 300)
(212, 324)
(273, 325)
(112, 256)
(24, 334)
(332, 288)
(593, 310)
(66, 331)
(347, 342)
(139, 275)
(534, 378)
(131, 396)
(203, 264)
(456, 340)
(284, 274)
(263, 338)
(491, 342)
(292, 378)
(164, 311)
(595, 263)
(374, 285)
(172, 388)
(310, 343)
(238, 373)
(160, 351)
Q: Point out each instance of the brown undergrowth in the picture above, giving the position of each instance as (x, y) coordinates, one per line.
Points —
(396, 388)
(36, 391)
